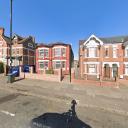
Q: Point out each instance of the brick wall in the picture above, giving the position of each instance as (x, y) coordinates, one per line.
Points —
(101, 60)
(52, 58)
(46, 77)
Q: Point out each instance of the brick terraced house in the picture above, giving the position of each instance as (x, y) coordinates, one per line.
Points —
(23, 50)
(54, 56)
(104, 58)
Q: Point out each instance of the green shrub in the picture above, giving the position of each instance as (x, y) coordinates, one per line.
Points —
(1, 67)
(50, 71)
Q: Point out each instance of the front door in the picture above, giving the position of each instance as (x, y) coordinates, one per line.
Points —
(115, 70)
(107, 71)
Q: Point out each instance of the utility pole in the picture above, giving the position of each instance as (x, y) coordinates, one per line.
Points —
(10, 34)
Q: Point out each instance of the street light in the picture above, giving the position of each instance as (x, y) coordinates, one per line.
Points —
(10, 77)
(10, 34)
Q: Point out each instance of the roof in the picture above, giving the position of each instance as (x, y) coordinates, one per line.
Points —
(7, 39)
(110, 40)
(125, 43)
(53, 44)
(116, 39)
(20, 39)
(24, 40)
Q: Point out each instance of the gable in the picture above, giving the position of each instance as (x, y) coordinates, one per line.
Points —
(93, 41)
(3, 42)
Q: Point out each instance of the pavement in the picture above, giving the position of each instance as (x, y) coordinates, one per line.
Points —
(109, 102)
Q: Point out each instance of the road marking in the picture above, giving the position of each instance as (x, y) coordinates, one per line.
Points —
(7, 113)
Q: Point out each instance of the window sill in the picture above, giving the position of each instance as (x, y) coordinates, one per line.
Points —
(91, 57)
(125, 74)
(91, 73)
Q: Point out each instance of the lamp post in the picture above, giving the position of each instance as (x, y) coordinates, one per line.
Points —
(10, 77)
(10, 34)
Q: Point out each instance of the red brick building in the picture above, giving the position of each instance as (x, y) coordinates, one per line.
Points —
(104, 58)
(23, 50)
(54, 56)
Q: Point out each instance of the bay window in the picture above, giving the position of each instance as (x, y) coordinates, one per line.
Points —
(63, 52)
(59, 64)
(43, 65)
(43, 53)
(57, 52)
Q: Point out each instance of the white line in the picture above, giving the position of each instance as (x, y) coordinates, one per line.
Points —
(7, 113)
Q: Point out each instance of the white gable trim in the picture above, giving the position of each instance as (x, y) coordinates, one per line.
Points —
(93, 36)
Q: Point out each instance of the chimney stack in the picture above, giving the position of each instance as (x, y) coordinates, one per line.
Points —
(1, 31)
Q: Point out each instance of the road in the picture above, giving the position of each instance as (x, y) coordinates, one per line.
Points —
(24, 100)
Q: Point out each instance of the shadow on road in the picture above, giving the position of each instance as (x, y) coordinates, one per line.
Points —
(56, 120)
(19, 79)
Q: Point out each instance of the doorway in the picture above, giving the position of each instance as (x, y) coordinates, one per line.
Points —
(106, 71)
(114, 70)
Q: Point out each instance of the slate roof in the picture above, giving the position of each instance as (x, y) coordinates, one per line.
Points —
(52, 44)
(116, 39)
(110, 40)
(7, 39)
(20, 39)
(24, 40)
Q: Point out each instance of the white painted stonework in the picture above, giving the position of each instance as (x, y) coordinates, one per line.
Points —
(42, 48)
(91, 62)
(111, 63)
(43, 60)
(92, 42)
(59, 60)
(58, 47)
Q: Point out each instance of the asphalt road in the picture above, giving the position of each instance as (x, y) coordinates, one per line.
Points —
(17, 109)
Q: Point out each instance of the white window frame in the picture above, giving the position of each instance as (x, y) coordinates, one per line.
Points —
(44, 65)
(61, 64)
(63, 52)
(114, 52)
(91, 52)
(57, 55)
(46, 52)
(94, 71)
(126, 69)
(126, 52)
(43, 55)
